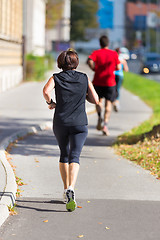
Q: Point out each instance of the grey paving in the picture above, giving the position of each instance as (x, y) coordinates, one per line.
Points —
(112, 191)
(117, 198)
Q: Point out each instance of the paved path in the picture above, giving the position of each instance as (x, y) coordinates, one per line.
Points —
(119, 200)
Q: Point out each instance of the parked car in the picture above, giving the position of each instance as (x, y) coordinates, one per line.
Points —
(150, 63)
(124, 53)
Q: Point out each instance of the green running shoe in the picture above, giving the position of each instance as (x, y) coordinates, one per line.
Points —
(71, 203)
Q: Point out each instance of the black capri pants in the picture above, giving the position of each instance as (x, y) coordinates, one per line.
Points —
(70, 140)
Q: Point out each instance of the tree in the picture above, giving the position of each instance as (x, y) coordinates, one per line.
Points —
(53, 12)
(83, 15)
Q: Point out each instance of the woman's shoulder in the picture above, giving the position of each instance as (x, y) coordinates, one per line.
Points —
(81, 73)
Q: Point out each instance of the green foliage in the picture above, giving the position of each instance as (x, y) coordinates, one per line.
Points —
(149, 92)
(53, 12)
(37, 66)
(83, 15)
(141, 144)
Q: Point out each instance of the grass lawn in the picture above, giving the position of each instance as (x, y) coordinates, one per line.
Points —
(133, 145)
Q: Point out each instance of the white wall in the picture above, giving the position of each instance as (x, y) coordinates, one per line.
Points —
(34, 29)
(10, 77)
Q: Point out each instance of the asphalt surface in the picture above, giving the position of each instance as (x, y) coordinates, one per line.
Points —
(117, 199)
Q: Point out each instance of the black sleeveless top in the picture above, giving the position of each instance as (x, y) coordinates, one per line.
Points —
(70, 90)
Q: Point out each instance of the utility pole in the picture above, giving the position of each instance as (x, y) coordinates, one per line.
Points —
(147, 28)
(158, 27)
(24, 38)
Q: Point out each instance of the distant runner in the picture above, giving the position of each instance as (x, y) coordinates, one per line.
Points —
(104, 62)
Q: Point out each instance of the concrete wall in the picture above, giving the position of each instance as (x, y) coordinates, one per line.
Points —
(11, 72)
(34, 26)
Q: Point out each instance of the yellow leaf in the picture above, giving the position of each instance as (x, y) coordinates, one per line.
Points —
(107, 228)
(80, 236)
(137, 171)
(45, 221)
(88, 201)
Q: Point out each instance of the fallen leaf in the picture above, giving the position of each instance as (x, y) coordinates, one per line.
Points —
(80, 236)
(137, 171)
(100, 223)
(79, 207)
(107, 228)
(88, 201)
(36, 160)
(45, 221)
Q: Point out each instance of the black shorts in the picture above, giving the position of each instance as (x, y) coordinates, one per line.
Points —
(109, 93)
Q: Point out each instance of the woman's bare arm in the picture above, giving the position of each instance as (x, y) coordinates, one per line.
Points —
(125, 65)
(48, 88)
(91, 64)
(92, 96)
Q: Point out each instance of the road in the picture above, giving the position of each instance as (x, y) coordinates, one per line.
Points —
(134, 66)
(117, 199)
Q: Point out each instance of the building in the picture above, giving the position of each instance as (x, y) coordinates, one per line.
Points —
(34, 15)
(111, 18)
(58, 38)
(142, 23)
(11, 20)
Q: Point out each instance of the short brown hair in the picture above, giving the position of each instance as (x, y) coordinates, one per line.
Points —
(104, 41)
(68, 60)
(118, 50)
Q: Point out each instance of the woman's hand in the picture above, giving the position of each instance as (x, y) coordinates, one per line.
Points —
(52, 106)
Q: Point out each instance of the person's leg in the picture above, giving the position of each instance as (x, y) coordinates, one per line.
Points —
(61, 134)
(99, 113)
(116, 104)
(77, 139)
(64, 171)
(99, 107)
(73, 173)
(107, 113)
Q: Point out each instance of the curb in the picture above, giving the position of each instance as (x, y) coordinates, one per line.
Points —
(9, 195)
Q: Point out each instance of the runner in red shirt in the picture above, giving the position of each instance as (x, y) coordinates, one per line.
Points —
(104, 62)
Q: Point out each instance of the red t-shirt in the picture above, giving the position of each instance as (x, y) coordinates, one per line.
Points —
(105, 61)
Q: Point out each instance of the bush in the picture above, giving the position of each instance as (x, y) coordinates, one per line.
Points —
(37, 66)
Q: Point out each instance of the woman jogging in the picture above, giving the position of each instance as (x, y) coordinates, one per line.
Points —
(72, 88)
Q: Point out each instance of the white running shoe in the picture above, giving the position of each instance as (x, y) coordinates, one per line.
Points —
(65, 196)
